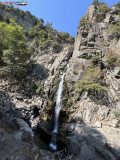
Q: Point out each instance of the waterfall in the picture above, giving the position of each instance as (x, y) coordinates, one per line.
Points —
(53, 144)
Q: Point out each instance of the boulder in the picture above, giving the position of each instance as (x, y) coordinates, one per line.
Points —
(88, 143)
(98, 124)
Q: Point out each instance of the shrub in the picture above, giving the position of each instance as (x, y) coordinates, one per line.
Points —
(114, 28)
(39, 88)
(71, 40)
(117, 5)
(45, 35)
(84, 85)
(111, 59)
(44, 43)
(83, 21)
(56, 46)
(95, 61)
(104, 43)
(75, 72)
(1, 18)
(63, 35)
(93, 74)
(117, 114)
(65, 38)
(103, 7)
(91, 81)
(95, 2)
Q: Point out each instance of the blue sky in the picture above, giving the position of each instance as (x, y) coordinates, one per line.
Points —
(64, 14)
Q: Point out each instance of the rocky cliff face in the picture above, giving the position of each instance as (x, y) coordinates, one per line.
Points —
(25, 19)
(94, 39)
(91, 103)
(96, 109)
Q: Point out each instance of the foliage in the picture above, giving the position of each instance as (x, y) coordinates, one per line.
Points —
(44, 43)
(91, 81)
(35, 88)
(95, 2)
(83, 21)
(114, 28)
(1, 18)
(75, 72)
(70, 40)
(45, 36)
(63, 35)
(117, 5)
(93, 74)
(13, 50)
(3, 38)
(103, 7)
(95, 61)
(56, 46)
(39, 87)
(84, 85)
(111, 59)
(41, 20)
(104, 43)
(17, 50)
(117, 114)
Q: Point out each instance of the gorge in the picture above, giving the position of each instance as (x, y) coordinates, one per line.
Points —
(81, 121)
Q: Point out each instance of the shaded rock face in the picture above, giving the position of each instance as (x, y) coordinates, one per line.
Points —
(11, 143)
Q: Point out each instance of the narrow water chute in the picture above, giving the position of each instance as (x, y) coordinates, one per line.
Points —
(53, 144)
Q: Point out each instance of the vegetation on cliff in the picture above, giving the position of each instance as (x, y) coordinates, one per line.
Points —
(103, 7)
(45, 36)
(14, 52)
(11, 12)
(112, 59)
(93, 78)
(114, 29)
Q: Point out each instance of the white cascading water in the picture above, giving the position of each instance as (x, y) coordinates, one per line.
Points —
(53, 144)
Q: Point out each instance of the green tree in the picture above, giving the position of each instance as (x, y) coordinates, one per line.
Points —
(17, 48)
(103, 7)
(13, 46)
(3, 39)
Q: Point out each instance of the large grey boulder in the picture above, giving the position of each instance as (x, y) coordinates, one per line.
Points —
(88, 143)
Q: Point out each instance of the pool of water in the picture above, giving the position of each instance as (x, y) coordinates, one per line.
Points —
(41, 143)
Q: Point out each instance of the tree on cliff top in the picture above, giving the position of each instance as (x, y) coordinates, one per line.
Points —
(95, 2)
